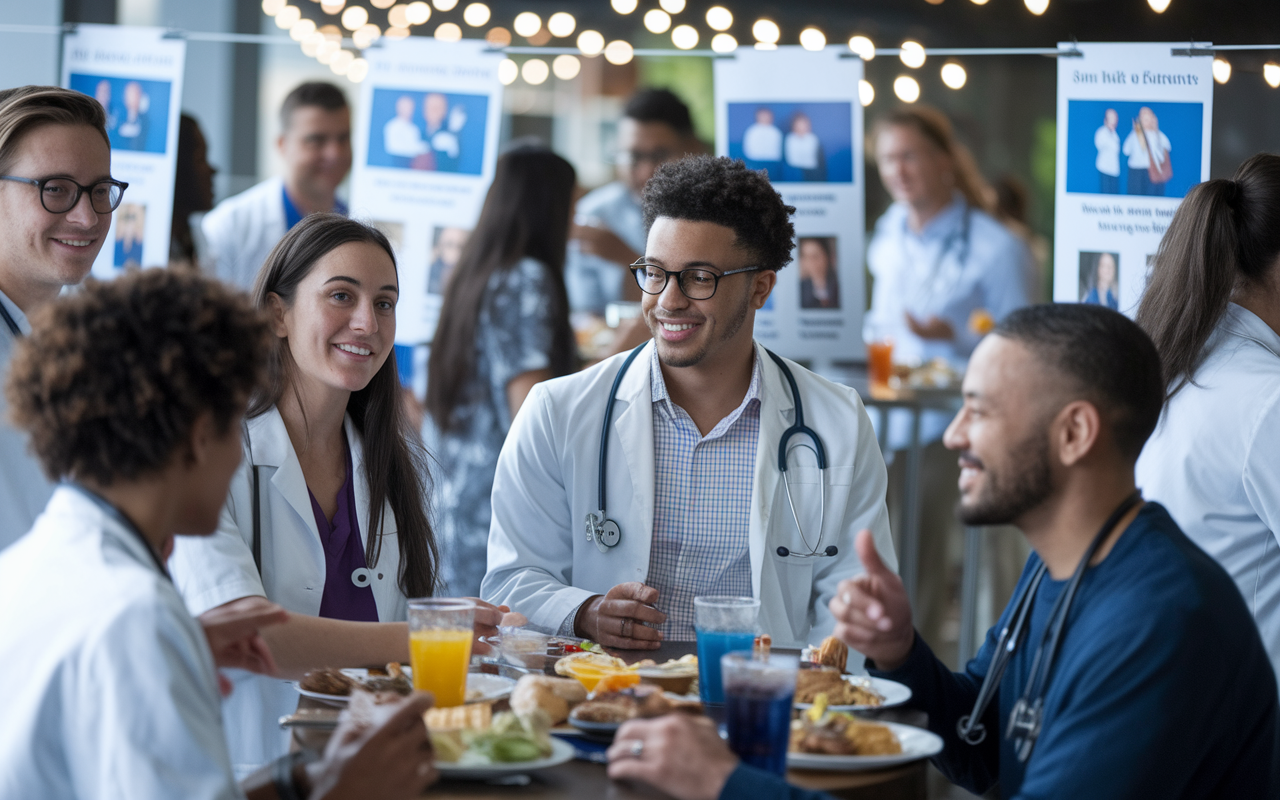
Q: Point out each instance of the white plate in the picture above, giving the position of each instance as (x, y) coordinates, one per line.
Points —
(894, 694)
(917, 743)
(561, 752)
(490, 687)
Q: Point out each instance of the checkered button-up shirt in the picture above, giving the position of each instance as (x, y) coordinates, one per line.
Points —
(701, 504)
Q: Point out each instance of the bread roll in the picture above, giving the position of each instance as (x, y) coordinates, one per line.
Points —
(555, 696)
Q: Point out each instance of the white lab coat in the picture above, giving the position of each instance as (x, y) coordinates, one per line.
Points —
(110, 686)
(541, 564)
(23, 488)
(214, 570)
(242, 230)
(1212, 462)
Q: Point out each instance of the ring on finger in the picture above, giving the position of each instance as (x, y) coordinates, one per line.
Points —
(626, 628)
(636, 749)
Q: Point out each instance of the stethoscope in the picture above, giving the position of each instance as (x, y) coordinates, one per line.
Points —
(958, 239)
(10, 322)
(606, 534)
(1027, 717)
(126, 523)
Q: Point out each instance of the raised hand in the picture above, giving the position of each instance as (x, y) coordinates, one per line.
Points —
(389, 758)
(232, 632)
(488, 618)
(873, 615)
(616, 619)
(935, 328)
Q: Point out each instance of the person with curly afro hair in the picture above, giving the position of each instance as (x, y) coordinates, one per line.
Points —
(133, 392)
(697, 501)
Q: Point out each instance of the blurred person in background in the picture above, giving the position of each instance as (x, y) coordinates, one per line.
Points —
(504, 327)
(1213, 309)
(328, 515)
(609, 230)
(122, 700)
(53, 149)
(1011, 208)
(315, 144)
(939, 260)
(192, 190)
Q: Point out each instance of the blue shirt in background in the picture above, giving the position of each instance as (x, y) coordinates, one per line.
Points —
(1161, 686)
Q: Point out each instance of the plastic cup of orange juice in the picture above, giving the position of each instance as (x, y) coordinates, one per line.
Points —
(880, 362)
(440, 634)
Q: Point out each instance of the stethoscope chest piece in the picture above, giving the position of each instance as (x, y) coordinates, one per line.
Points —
(605, 533)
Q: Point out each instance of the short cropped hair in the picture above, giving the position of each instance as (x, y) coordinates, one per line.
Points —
(112, 378)
(1111, 361)
(26, 107)
(313, 93)
(723, 191)
(660, 105)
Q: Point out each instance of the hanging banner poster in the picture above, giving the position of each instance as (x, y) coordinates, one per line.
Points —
(425, 145)
(1133, 138)
(807, 134)
(136, 74)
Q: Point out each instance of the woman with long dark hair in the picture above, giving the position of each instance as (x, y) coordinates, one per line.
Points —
(1213, 309)
(504, 327)
(328, 514)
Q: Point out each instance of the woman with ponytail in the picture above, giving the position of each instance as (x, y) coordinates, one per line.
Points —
(1213, 310)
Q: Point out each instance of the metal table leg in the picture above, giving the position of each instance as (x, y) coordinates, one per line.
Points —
(969, 593)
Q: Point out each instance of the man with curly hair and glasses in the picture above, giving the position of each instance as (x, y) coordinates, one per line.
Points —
(56, 199)
(695, 499)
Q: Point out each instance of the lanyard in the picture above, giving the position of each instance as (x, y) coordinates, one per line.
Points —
(10, 322)
(118, 516)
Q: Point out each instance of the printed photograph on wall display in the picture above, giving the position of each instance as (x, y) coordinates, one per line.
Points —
(819, 272)
(429, 131)
(1133, 148)
(794, 142)
(131, 227)
(137, 110)
(1100, 279)
(446, 249)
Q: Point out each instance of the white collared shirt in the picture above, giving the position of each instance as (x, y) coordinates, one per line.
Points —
(1107, 143)
(1212, 462)
(23, 488)
(110, 686)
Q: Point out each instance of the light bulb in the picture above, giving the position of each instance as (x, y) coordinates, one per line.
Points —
(377, 4)
(527, 23)
(1036, 7)
(912, 54)
(311, 44)
(953, 75)
(566, 67)
(866, 92)
(719, 18)
(813, 39)
(273, 7)
(906, 88)
(724, 43)
(332, 6)
(624, 7)
(978, 2)
(445, 5)
(657, 21)
(327, 50)
(398, 16)
(302, 29)
(863, 47)
(449, 32)
(562, 24)
(672, 6)
(418, 12)
(358, 70)
(1221, 69)
(618, 53)
(1271, 74)
(397, 33)
(341, 62)
(288, 17)
(354, 17)
(766, 31)
(591, 43)
(535, 71)
(508, 71)
(476, 14)
(685, 37)
(1158, 6)
(498, 37)
(366, 35)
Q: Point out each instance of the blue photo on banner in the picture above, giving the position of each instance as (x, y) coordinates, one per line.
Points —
(137, 110)
(425, 130)
(794, 142)
(1133, 148)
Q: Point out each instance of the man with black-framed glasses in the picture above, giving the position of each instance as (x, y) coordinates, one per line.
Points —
(696, 502)
(56, 199)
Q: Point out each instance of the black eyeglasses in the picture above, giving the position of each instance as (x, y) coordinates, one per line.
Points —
(60, 195)
(697, 284)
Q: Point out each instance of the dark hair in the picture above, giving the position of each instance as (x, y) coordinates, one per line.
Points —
(525, 215)
(313, 93)
(934, 126)
(660, 105)
(1224, 234)
(723, 191)
(112, 378)
(395, 462)
(190, 189)
(1111, 360)
(26, 107)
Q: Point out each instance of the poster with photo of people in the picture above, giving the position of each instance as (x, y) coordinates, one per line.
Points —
(1133, 138)
(806, 144)
(426, 141)
(135, 74)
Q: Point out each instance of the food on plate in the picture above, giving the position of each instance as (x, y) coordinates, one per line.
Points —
(475, 716)
(676, 676)
(591, 668)
(394, 681)
(833, 653)
(555, 696)
(335, 682)
(639, 702)
(533, 650)
(328, 681)
(507, 738)
(840, 690)
(837, 733)
(598, 659)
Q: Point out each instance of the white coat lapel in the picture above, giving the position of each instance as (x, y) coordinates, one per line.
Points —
(271, 447)
(777, 410)
(633, 423)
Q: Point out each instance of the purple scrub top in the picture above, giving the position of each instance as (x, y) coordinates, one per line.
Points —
(344, 563)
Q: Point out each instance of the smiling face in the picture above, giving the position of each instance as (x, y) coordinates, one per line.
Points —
(689, 333)
(41, 252)
(342, 324)
(1002, 434)
(1106, 270)
(316, 148)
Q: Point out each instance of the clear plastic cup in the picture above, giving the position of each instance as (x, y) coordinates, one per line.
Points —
(723, 624)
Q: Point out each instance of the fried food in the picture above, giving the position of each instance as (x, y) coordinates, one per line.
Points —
(639, 702)
(328, 681)
(395, 681)
(555, 696)
(839, 690)
(833, 653)
(474, 717)
(840, 734)
(588, 657)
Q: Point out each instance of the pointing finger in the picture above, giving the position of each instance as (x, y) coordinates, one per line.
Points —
(865, 544)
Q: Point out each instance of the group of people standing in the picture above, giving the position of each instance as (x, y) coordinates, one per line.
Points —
(243, 489)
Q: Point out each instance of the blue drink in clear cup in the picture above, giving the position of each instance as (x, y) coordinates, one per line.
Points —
(758, 695)
(723, 624)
